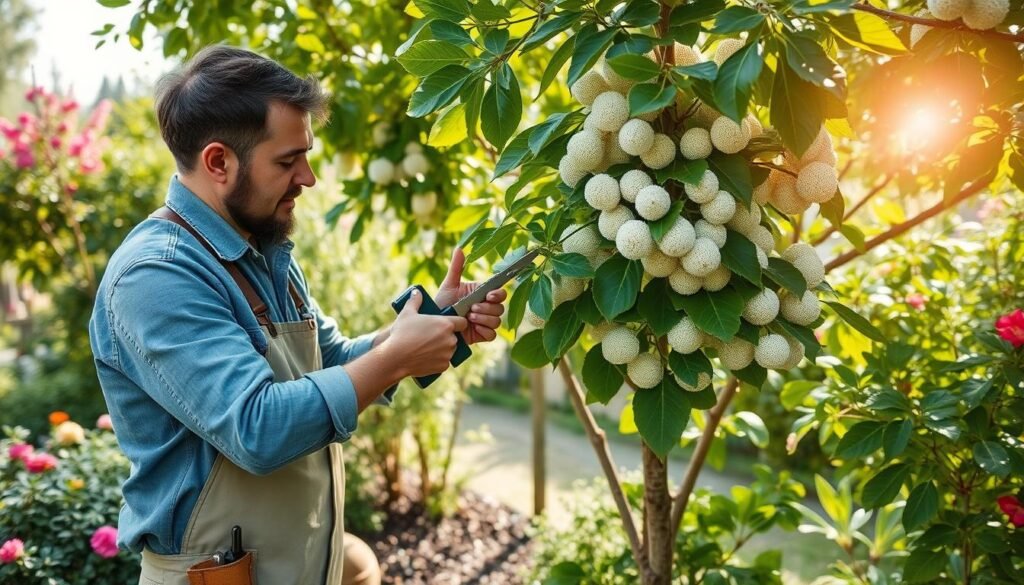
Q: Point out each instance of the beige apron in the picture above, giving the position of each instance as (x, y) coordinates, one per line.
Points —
(291, 519)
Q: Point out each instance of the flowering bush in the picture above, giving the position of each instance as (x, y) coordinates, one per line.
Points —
(59, 501)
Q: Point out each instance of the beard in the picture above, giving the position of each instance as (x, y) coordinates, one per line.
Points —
(263, 228)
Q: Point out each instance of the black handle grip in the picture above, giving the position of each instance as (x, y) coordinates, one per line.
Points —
(429, 307)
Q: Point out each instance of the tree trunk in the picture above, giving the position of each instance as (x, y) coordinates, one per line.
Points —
(539, 470)
(658, 515)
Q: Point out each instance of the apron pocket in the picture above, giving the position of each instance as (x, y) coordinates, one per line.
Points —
(240, 572)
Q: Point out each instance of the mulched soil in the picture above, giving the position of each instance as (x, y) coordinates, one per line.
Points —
(484, 543)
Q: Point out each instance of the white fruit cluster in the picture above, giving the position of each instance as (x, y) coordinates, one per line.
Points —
(977, 14)
(382, 171)
(811, 178)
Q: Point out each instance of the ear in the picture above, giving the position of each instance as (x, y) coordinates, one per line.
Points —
(219, 162)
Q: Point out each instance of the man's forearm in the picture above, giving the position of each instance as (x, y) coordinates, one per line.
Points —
(382, 336)
(375, 371)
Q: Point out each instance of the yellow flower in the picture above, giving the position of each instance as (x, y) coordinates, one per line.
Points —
(76, 484)
(69, 433)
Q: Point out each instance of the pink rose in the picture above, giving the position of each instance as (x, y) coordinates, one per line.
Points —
(916, 300)
(40, 462)
(104, 422)
(19, 451)
(1011, 327)
(104, 541)
(24, 160)
(11, 551)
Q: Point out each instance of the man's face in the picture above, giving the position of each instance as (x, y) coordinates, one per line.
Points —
(264, 195)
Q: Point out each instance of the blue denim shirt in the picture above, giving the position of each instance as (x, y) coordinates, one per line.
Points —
(179, 357)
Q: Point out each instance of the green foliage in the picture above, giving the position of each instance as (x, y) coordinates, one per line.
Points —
(55, 512)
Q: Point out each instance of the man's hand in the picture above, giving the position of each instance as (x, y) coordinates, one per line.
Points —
(424, 344)
(484, 318)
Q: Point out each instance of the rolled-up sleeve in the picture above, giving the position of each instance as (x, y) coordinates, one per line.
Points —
(192, 357)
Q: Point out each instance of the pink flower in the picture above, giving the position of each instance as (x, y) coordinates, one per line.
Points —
(62, 128)
(40, 462)
(104, 541)
(26, 120)
(104, 422)
(69, 106)
(24, 160)
(916, 300)
(1011, 327)
(77, 144)
(99, 116)
(1013, 509)
(19, 451)
(90, 165)
(55, 142)
(10, 131)
(71, 188)
(11, 551)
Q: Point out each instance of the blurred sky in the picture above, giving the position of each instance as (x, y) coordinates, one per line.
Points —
(63, 39)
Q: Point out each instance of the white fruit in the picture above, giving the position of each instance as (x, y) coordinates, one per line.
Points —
(659, 265)
(413, 148)
(736, 354)
(348, 164)
(728, 136)
(703, 381)
(609, 222)
(985, 14)
(718, 279)
(636, 137)
(720, 209)
(796, 354)
(653, 202)
(597, 332)
(645, 370)
(685, 337)
(633, 239)
(423, 203)
(533, 318)
(745, 219)
(786, 199)
(762, 238)
(381, 171)
(948, 9)
(590, 85)
(817, 182)
(918, 31)
(415, 164)
(821, 150)
(678, 240)
(569, 171)
(703, 258)
(685, 283)
(714, 232)
(615, 81)
(582, 241)
(726, 49)
(762, 308)
(805, 258)
(661, 153)
(763, 192)
(610, 111)
(566, 289)
(602, 192)
(586, 148)
(695, 143)
(772, 351)
(599, 257)
(632, 182)
(620, 346)
(705, 190)
(686, 55)
(756, 129)
(704, 116)
(802, 310)
(381, 133)
(614, 154)
(762, 258)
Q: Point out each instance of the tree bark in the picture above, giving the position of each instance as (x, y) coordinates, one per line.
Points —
(657, 513)
(539, 442)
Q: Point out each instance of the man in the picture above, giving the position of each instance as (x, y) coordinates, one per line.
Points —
(230, 391)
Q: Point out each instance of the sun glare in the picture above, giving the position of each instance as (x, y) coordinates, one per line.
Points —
(919, 128)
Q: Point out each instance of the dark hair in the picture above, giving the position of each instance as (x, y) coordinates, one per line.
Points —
(222, 95)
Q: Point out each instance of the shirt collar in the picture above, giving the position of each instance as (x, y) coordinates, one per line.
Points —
(225, 241)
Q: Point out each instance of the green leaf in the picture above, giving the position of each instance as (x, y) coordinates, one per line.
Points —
(114, 3)
(650, 97)
(572, 265)
(472, 94)
(753, 375)
(310, 43)
(590, 45)
(863, 438)
(555, 64)
(502, 111)
(740, 256)
(797, 111)
(566, 573)
(706, 70)
(437, 89)
(661, 316)
(450, 127)
(426, 57)
(883, 487)
(517, 304)
(922, 506)
(496, 40)
(784, 274)
(635, 67)
(660, 227)
(992, 457)
(529, 351)
(814, 6)
(551, 28)
(715, 313)
(549, 129)
(808, 60)
(562, 330)
(498, 238)
(736, 19)
(733, 174)
(753, 427)
(444, 30)
(896, 437)
(794, 392)
(698, 11)
(453, 10)
(514, 154)
(639, 13)
(834, 209)
(465, 216)
(689, 366)
(488, 11)
(682, 171)
(889, 401)
(616, 285)
(602, 379)
(856, 321)
(923, 565)
(867, 31)
(661, 414)
(541, 302)
(812, 347)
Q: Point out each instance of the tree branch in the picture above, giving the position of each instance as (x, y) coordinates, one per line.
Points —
(700, 454)
(897, 230)
(600, 443)
(849, 213)
(952, 25)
